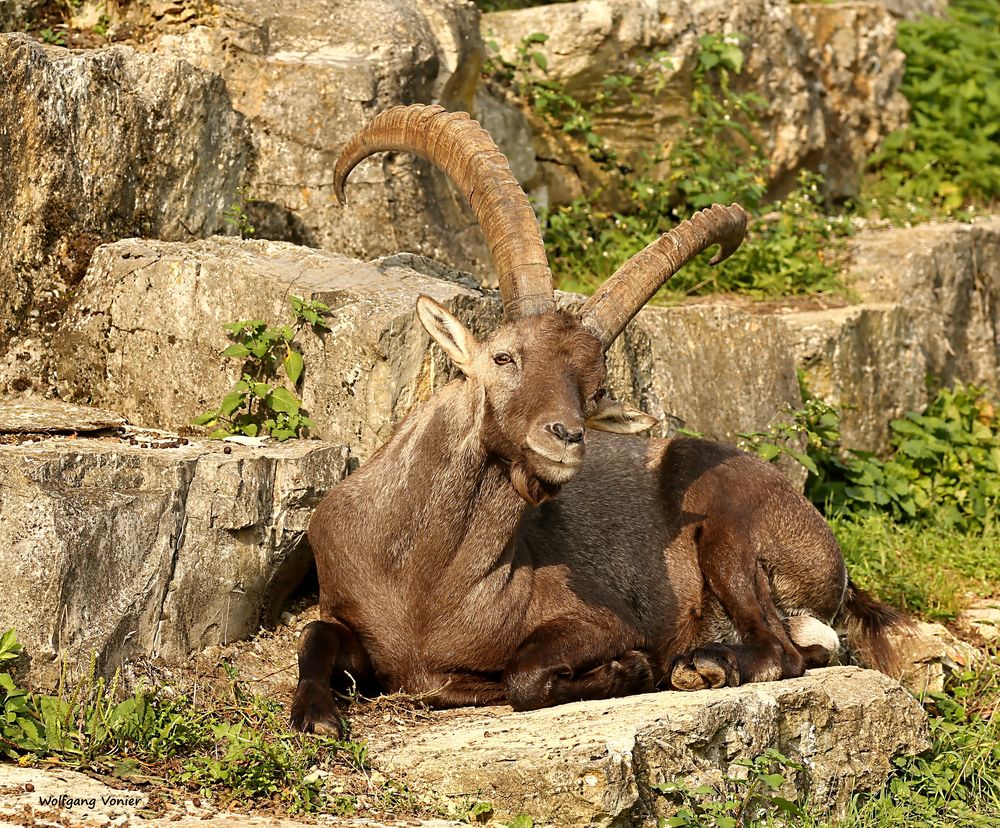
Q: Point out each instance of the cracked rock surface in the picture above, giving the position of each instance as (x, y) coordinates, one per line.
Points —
(92, 151)
(124, 547)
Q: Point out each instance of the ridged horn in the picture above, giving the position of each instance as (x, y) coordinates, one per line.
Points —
(464, 151)
(611, 308)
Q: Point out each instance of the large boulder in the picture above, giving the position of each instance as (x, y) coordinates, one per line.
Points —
(307, 75)
(600, 762)
(95, 146)
(145, 332)
(129, 543)
(929, 316)
(830, 75)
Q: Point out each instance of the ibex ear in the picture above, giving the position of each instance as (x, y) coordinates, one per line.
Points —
(619, 418)
(454, 338)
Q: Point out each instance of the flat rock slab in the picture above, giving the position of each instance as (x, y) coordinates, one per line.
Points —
(118, 547)
(595, 763)
(50, 416)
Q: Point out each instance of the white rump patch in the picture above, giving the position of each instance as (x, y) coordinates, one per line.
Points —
(807, 631)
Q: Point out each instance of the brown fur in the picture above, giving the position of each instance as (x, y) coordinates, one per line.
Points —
(486, 554)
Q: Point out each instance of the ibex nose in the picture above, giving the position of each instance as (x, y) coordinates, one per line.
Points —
(564, 434)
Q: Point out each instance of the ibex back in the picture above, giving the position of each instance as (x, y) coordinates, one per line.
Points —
(502, 547)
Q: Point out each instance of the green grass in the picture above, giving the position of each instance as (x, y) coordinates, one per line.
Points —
(927, 570)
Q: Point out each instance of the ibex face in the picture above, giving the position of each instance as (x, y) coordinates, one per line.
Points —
(541, 380)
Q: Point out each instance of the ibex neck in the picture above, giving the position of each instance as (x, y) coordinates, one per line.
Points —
(446, 502)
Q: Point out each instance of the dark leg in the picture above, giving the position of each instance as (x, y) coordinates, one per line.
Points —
(766, 653)
(566, 661)
(327, 651)
(464, 690)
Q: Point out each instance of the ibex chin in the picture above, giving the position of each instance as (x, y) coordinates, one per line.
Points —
(501, 547)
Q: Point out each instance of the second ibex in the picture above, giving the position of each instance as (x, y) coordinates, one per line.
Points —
(501, 547)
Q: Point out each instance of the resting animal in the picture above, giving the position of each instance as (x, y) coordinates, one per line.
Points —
(509, 544)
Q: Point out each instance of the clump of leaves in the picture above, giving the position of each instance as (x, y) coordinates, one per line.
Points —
(944, 466)
(792, 248)
(237, 217)
(738, 800)
(260, 402)
(949, 155)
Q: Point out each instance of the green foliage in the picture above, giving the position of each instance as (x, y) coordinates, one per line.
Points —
(260, 403)
(237, 748)
(949, 155)
(791, 249)
(737, 801)
(925, 569)
(944, 467)
(54, 37)
(237, 217)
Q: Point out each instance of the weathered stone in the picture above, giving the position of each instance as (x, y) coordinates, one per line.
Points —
(982, 619)
(930, 316)
(830, 73)
(47, 416)
(145, 333)
(928, 654)
(119, 550)
(593, 763)
(307, 75)
(93, 149)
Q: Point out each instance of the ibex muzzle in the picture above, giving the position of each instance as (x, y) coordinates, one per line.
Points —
(500, 547)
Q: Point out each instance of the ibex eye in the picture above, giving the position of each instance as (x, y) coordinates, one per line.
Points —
(503, 358)
(601, 394)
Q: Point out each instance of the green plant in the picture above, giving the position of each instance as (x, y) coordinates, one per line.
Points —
(736, 801)
(792, 248)
(237, 747)
(944, 466)
(53, 37)
(259, 403)
(236, 215)
(949, 154)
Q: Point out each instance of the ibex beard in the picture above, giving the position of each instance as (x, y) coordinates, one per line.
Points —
(503, 546)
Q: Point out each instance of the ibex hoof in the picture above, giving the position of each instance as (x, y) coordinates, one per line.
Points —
(314, 711)
(704, 669)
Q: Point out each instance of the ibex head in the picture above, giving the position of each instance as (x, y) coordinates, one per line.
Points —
(542, 371)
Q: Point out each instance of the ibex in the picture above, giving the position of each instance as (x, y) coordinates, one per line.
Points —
(500, 547)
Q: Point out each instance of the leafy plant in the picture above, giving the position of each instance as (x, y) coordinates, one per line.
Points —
(259, 403)
(738, 800)
(54, 37)
(237, 217)
(949, 154)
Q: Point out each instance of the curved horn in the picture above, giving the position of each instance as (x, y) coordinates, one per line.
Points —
(611, 308)
(464, 151)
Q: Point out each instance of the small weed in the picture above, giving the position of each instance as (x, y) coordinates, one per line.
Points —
(260, 403)
(236, 216)
(54, 37)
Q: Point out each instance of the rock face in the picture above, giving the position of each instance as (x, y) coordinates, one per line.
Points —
(156, 549)
(93, 151)
(145, 333)
(930, 310)
(307, 75)
(829, 72)
(597, 762)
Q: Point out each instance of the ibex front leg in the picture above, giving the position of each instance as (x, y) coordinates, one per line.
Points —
(568, 661)
(328, 650)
